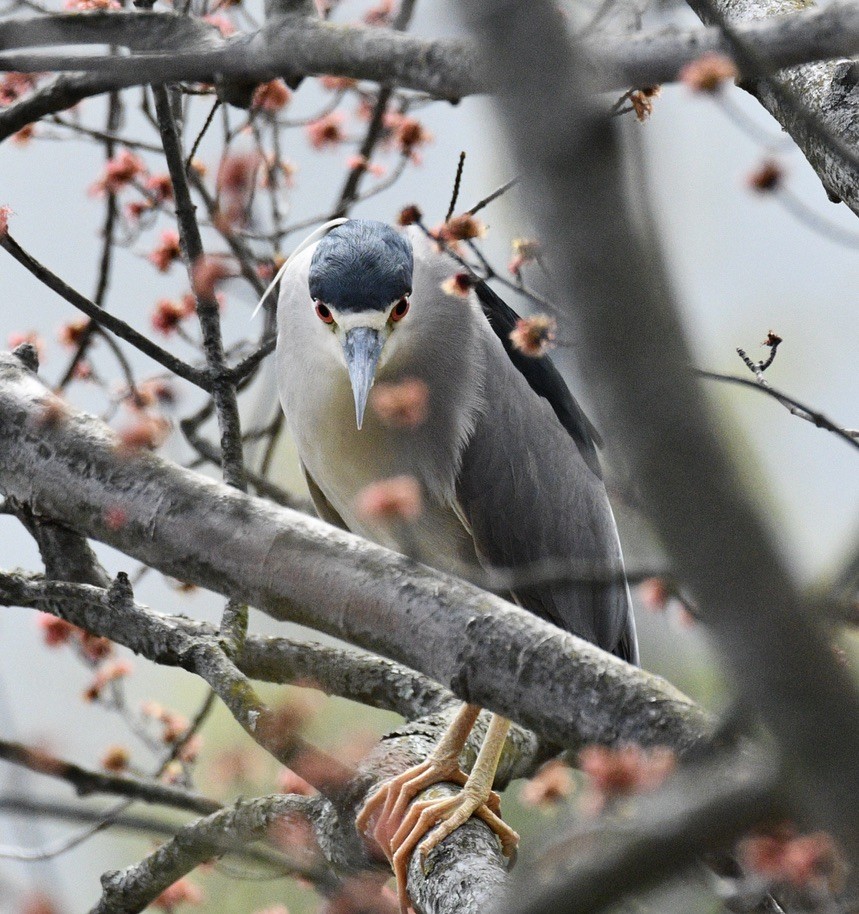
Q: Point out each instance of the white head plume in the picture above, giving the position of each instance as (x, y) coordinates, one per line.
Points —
(310, 239)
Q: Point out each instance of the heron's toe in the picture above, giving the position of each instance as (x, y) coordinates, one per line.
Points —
(382, 815)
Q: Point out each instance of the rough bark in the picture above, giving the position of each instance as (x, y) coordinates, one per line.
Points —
(294, 45)
(297, 568)
(828, 91)
(134, 888)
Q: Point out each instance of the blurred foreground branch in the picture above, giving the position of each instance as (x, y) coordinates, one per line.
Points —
(633, 352)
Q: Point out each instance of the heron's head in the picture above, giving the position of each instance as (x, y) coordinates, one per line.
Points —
(360, 282)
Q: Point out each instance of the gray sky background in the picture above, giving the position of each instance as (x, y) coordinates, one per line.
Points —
(741, 265)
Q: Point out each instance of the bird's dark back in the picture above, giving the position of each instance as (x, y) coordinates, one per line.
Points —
(532, 490)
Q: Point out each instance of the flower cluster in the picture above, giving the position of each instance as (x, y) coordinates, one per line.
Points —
(207, 273)
(169, 314)
(534, 336)
(460, 284)
(147, 432)
(550, 785)
(5, 213)
(116, 759)
(156, 189)
(395, 499)
(460, 228)
(708, 73)
(174, 727)
(525, 250)
(271, 97)
(57, 632)
(767, 177)
(409, 215)
(327, 131)
(167, 252)
(119, 172)
(72, 333)
(403, 404)
(642, 101)
(15, 85)
(106, 674)
(783, 856)
(625, 770)
(183, 891)
(408, 134)
(237, 176)
(87, 6)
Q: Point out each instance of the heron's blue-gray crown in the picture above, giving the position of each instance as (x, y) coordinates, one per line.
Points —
(361, 265)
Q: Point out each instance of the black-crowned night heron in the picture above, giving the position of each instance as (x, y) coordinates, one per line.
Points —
(505, 461)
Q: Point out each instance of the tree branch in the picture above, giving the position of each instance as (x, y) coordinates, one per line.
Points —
(297, 568)
(104, 318)
(174, 641)
(633, 352)
(86, 782)
(700, 809)
(816, 103)
(132, 889)
(851, 436)
(295, 45)
(59, 811)
(364, 678)
(474, 866)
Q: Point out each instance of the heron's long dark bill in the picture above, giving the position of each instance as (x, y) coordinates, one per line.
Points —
(362, 348)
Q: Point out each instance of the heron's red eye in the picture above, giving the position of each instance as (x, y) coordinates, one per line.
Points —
(324, 314)
(400, 310)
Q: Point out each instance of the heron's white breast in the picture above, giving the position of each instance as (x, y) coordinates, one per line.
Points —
(318, 402)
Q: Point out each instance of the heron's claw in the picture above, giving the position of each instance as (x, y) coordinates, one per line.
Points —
(398, 827)
(442, 817)
(383, 813)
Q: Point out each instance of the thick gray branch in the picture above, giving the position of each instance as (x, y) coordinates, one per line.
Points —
(174, 641)
(360, 677)
(797, 36)
(166, 47)
(166, 640)
(829, 91)
(297, 568)
(474, 867)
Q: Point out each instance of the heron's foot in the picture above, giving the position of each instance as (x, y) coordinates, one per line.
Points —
(382, 815)
(442, 817)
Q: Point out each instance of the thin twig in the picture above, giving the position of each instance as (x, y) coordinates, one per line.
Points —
(249, 364)
(113, 119)
(375, 132)
(223, 390)
(196, 376)
(151, 825)
(210, 117)
(86, 782)
(457, 182)
(493, 196)
(247, 821)
(795, 407)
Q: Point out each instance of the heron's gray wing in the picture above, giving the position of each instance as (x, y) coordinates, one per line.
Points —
(529, 494)
(324, 508)
(542, 377)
